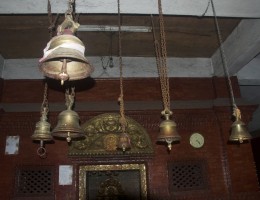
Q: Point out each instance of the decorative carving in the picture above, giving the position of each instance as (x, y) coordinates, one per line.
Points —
(102, 134)
(86, 171)
(112, 189)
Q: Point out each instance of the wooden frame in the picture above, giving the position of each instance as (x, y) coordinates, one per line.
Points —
(128, 168)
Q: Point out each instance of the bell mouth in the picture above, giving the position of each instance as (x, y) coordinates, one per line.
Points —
(77, 66)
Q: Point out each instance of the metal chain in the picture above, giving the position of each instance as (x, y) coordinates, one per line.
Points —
(51, 27)
(121, 97)
(51, 21)
(70, 7)
(70, 96)
(222, 52)
(45, 104)
(162, 67)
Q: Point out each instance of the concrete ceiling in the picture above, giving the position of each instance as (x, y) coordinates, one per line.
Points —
(192, 43)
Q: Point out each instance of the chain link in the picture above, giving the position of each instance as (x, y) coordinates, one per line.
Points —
(45, 104)
(51, 21)
(70, 7)
(70, 95)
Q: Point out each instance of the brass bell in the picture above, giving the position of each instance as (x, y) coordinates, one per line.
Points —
(63, 57)
(68, 126)
(68, 121)
(168, 132)
(42, 130)
(124, 142)
(239, 132)
(238, 129)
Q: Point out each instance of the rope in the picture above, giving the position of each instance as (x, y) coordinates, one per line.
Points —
(121, 97)
(161, 60)
(222, 53)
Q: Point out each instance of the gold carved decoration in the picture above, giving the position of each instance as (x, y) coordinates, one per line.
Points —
(111, 182)
(102, 134)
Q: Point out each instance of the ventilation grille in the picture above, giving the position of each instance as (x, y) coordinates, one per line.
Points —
(187, 175)
(35, 181)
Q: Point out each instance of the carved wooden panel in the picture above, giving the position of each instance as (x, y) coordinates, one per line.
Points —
(102, 133)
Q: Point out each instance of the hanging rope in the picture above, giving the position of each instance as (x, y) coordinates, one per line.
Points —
(236, 111)
(161, 61)
(121, 97)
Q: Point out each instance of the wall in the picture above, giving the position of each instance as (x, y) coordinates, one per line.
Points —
(199, 105)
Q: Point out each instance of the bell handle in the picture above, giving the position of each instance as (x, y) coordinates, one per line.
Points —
(68, 24)
(237, 113)
(166, 113)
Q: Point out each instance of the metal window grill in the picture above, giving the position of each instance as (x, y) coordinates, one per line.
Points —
(35, 180)
(187, 175)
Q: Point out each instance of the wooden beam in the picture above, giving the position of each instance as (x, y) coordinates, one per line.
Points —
(240, 47)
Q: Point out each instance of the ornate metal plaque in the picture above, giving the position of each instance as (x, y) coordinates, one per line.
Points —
(125, 181)
(102, 134)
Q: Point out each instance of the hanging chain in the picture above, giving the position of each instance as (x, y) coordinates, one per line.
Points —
(70, 7)
(121, 97)
(45, 104)
(161, 61)
(70, 97)
(51, 21)
(222, 53)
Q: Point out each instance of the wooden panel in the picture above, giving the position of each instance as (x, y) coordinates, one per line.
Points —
(25, 36)
(137, 89)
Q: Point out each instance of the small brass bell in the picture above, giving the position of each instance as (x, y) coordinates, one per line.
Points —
(42, 133)
(168, 132)
(124, 142)
(63, 57)
(68, 121)
(239, 132)
(42, 129)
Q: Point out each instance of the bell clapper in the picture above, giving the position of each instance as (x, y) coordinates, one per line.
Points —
(63, 76)
(169, 144)
(68, 138)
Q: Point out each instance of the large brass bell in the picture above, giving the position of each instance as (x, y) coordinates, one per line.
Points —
(68, 121)
(239, 131)
(63, 57)
(168, 132)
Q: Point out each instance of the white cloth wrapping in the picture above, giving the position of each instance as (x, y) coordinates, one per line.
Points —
(69, 45)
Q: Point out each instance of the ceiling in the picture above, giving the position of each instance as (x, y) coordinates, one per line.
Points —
(190, 30)
(25, 36)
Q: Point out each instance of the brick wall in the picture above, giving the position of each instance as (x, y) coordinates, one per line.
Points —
(230, 170)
